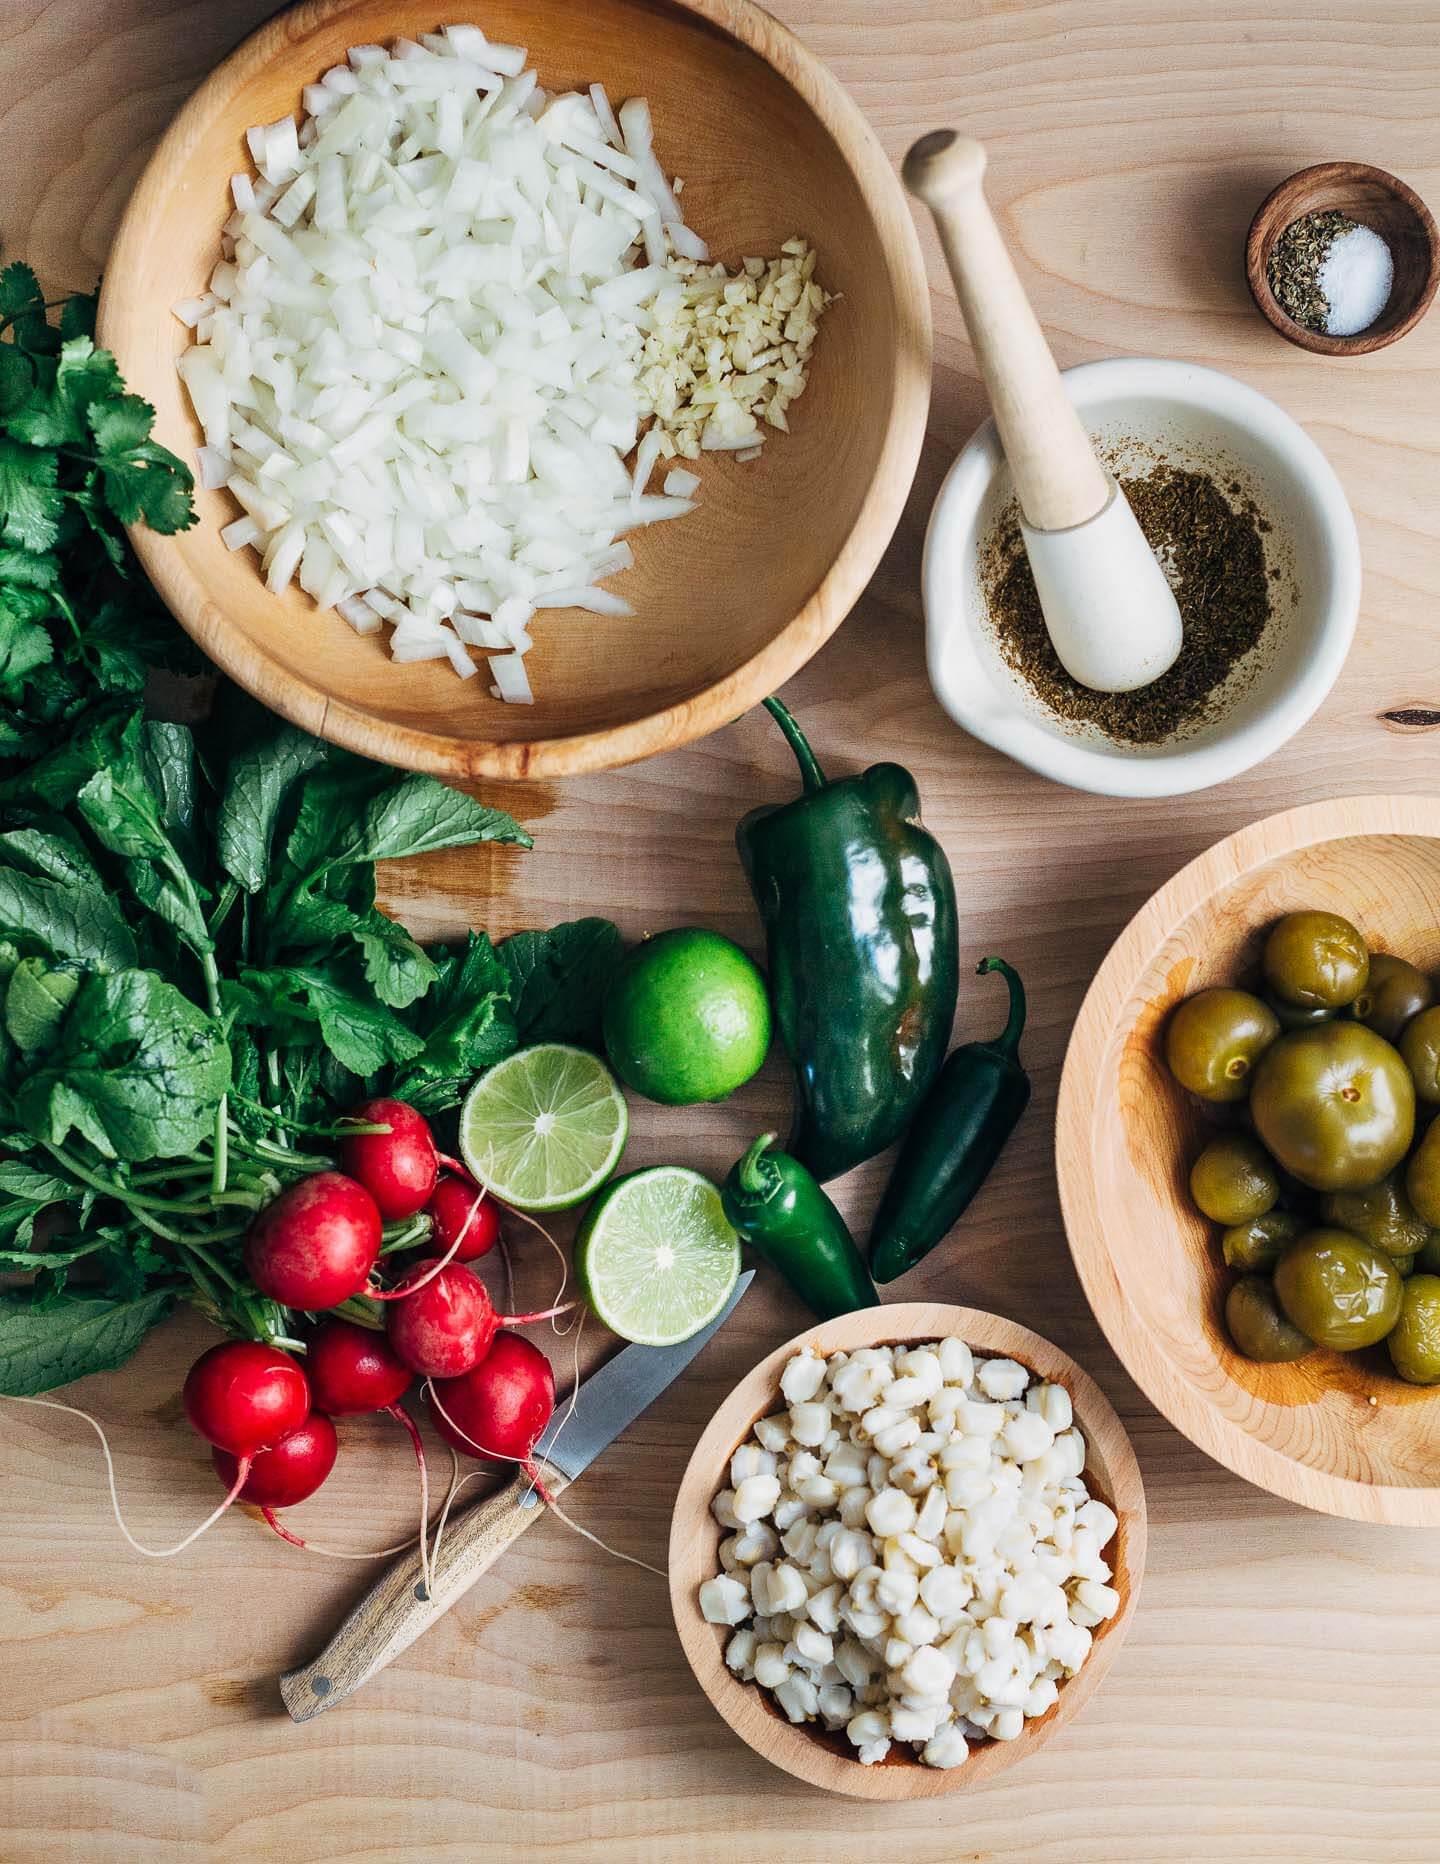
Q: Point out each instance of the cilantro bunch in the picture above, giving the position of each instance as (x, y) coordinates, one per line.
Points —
(78, 622)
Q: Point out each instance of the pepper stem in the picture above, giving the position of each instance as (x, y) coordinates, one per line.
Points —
(755, 1173)
(811, 773)
(1009, 1039)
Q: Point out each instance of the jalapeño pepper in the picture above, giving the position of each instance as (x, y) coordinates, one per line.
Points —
(958, 1135)
(858, 904)
(779, 1209)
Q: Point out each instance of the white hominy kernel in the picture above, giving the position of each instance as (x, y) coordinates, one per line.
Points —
(930, 1517)
(877, 1471)
(915, 1724)
(946, 1748)
(1027, 1436)
(1042, 1697)
(724, 1601)
(896, 1437)
(1093, 1603)
(802, 1378)
(798, 1696)
(798, 1540)
(836, 1704)
(869, 1733)
(818, 1491)
(723, 1509)
(787, 1512)
(906, 1394)
(1101, 1521)
(755, 1498)
(726, 1555)
(890, 1512)
(896, 1592)
(740, 1651)
(809, 1423)
(945, 1592)
(897, 1654)
(1072, 1446)
(823, 1610)
(852, 1505)
(802, 1464)
(865, 1624)
(757, 1541)
(787, 1591)
(846, 1465)
(774, 1433)
(814, 1644)
(922, 1554)
(957, 1362)
(1052, 1402)
(979, 1419)
(928, 1674)
(1001, 1378)
(771, 1669)
(917, 1627)
(750, 1460)
(1007, 1724)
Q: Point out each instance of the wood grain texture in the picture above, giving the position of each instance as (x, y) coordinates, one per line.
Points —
(1339, 1432)
(709, 638)
(824, 1760)
(1274, 1697)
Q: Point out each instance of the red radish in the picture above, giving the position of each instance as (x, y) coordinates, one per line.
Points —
(500, 1407)
(289, 1471)
(398, 1168)
(242, 1396)
(445, 1327)
(464, 1219)
(315, 1245)
(353, 1370)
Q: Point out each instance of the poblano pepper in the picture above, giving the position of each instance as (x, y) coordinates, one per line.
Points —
(858, 904)
(777, 1207)
(957, 1136)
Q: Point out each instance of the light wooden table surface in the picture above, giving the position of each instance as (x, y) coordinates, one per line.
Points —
(1277, 1696)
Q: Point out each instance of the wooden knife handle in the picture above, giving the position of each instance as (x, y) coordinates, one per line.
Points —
(395, 1610)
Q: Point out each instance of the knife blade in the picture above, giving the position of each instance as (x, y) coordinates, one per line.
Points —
(614, 1395)
(398, 1608)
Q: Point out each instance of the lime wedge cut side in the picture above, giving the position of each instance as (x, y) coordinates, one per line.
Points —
(544, 1128)
(656, 1258)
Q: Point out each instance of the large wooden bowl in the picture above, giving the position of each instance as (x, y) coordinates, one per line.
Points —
(1335, 1432)
(732, 600)
(826, 1760)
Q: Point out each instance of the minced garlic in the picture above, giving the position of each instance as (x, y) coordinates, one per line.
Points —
(729, 351)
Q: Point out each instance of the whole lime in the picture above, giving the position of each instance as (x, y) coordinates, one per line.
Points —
(687, 1017)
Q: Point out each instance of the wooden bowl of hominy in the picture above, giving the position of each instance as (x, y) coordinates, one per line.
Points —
(729, 601)
(804, 1749)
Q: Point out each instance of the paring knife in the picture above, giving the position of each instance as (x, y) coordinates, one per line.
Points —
(397, 1608)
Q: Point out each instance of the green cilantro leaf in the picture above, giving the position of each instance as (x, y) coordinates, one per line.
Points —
(30, 504)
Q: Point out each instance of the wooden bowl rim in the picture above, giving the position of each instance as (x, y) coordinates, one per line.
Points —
(443, 754)
(792, 1747)
(1278, 200)
(1083, 1091)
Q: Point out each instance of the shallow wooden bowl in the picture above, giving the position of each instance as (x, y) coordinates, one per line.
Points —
(1335, 1432)
(1371, 197)
(811, 1754)
(732, 600)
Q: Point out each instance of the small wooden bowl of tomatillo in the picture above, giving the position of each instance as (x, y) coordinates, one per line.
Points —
(1337, 1432)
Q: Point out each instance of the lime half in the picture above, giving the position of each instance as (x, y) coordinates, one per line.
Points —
(655, 1256)
(544, 1128)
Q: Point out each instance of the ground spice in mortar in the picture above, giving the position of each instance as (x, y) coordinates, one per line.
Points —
(1210, 543)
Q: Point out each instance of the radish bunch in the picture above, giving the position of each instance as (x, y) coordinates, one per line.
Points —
(316, 1246)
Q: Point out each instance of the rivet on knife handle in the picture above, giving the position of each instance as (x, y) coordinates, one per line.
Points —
(396, 1609)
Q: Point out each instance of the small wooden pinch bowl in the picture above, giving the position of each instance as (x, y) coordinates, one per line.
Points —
(1339, 1433)
(813, 1755)
(731, 600)
(1371, 197)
